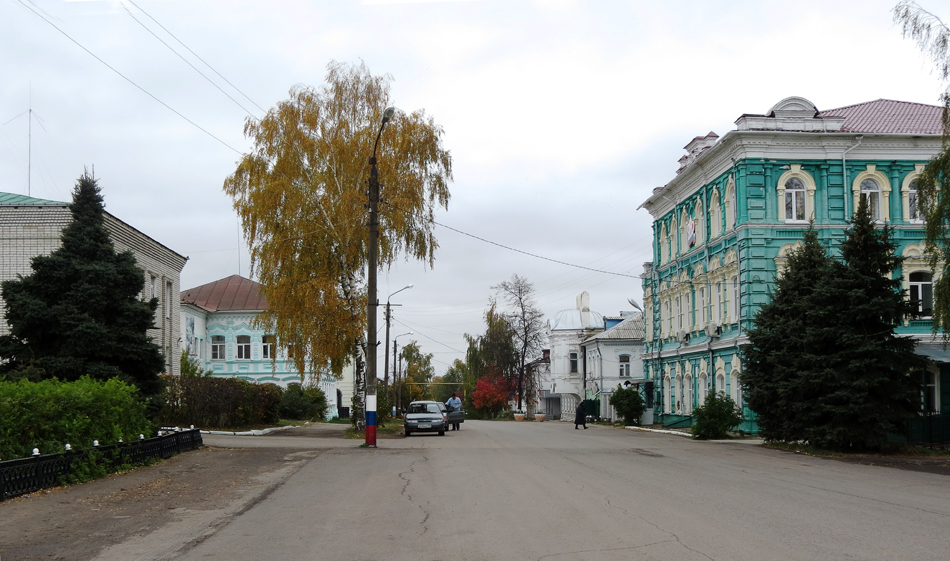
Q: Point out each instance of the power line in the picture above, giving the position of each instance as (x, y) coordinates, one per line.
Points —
(196, 56)
(519, 250)
(127, 79)
(162, 41)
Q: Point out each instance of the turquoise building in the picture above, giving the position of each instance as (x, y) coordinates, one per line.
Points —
(738, 204)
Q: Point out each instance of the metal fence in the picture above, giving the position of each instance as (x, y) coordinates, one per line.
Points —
(931, 429)
(26, 475)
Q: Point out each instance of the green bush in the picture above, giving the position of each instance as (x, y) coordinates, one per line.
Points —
(718, 415)
(210, 402)
(629, 404)
(50, 414)
(505, 415)
(303, 403)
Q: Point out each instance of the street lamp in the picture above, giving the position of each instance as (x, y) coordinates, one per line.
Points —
(371, 301)
(386, 354)
(398, 399)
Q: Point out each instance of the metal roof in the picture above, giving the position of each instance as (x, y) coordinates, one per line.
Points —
(889, 116)
(630, 328)
(228, 294)
(12, 199)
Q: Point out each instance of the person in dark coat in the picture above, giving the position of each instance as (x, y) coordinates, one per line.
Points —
(580, 416)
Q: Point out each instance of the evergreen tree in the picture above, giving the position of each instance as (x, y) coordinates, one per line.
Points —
(824, 364)
(80, 312)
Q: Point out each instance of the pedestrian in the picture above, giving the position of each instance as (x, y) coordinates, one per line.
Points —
(454, 404)
(580, 416)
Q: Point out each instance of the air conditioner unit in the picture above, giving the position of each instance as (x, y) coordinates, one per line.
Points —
(683, 337)
(713, 330)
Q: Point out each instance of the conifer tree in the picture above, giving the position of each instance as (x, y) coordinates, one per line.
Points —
(79, 312)
(824, 364)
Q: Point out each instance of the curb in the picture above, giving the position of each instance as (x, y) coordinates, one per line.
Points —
(250, 432)
(660, 431)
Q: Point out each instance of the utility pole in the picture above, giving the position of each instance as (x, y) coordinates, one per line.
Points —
(386, 354)
(372, 302)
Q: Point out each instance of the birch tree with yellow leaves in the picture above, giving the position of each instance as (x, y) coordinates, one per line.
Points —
(301, 194)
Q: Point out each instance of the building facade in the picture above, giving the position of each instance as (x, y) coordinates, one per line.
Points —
(219, 332)
(614, 359)
(30, 227)
(725, 223)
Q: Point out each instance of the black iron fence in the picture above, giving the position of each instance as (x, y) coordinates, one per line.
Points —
(26, 475)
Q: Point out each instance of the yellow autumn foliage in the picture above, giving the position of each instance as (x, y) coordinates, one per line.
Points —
(301, 196)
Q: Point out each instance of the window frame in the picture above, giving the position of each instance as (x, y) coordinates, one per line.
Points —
(218, 347)
(242, 347)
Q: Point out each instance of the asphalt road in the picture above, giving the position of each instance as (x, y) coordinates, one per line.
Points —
(544, 491)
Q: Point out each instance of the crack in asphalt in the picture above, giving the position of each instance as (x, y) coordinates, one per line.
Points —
(675, 537)
(405, 492)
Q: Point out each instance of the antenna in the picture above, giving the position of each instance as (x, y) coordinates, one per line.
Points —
(29, 142)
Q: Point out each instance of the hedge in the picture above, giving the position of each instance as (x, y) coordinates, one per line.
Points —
(210, 402)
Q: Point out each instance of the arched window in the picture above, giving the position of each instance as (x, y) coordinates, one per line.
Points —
(703, 388)
(666, 395)
(921, 294)
(871, 192)
(217, 347)
(715, 218)
(267, 346)
(688, 401)
(700, 224)
(794, 199)
(674, 240)
(913, 209)
(701, 306)
(731, 206)
(735, 299)
(624, 366)
(662, 254)
(716, 303)
(720, 383)
(679, 394)
(244, 347)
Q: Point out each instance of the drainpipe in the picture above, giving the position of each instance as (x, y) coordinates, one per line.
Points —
(849, 196)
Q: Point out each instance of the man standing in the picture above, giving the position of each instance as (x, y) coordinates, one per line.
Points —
(454, 404)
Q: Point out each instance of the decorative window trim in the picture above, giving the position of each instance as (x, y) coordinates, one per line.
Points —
(663, 245)
(872, 173)
(674, 239)
(905, 195)
(715, 218)
(795, 171)
(700, 223)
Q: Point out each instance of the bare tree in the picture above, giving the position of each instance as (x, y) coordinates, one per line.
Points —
(527, 326)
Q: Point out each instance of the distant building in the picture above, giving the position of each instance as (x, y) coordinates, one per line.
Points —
(614, 359)
(218, 331)
(724, 225)
(30, 227)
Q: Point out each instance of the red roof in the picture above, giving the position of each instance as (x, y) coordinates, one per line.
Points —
(889, 116)
(231, 293)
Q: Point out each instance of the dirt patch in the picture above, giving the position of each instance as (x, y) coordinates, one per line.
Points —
(76, 523)
(939, 465)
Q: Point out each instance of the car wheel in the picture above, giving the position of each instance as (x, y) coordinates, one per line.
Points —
(441, 433)
(407, 433)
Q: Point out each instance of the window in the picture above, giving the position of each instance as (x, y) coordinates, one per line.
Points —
(735, 299)
(217, 347)
(573, 363)
(154, 285)
(666, 395)
(688, 406)
(716, 315)
(701, 304)
(244, 347)
(703, 388)
(928, 396)
(912, 207)
(715, 221)
(679, 314)
(664, 246)
(794, 199)
(871, 191)
(267, 346)
(679, 394)
(624, 366)
(700, 224)
(688, 312)
(674, 241)
(731, 207)
(921, 294)
(720, 383)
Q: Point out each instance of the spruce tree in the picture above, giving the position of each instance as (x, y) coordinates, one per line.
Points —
(824, 364)
(79, 312)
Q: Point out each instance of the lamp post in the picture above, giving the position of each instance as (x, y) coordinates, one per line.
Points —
(386, 354)
(371, 301)
(398, 399)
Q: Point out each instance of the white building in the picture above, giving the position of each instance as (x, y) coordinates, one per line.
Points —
(562, 386)
(613, 359)
(30, 227)
(218, 331)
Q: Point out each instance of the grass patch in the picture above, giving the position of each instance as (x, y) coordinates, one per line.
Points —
(390, 427)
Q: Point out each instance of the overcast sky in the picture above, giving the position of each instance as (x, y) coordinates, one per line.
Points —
(561, 117)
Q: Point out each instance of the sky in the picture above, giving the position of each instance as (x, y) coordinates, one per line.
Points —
(561, 117)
